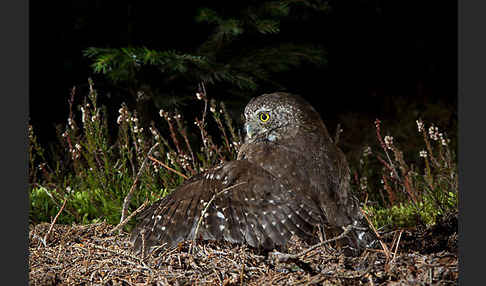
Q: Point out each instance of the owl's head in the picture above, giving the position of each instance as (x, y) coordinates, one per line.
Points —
(271, 117)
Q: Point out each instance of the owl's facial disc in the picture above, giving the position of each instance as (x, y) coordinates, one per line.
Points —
(262, 125)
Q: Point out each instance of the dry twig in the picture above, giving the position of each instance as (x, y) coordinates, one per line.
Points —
(53, 222)
(383, 245)
(127, 199)
(167, 167)
(282, 257)
(126, 220)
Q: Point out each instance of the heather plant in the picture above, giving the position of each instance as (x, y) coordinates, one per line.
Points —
(408, 191)
(94, 172)
(102, 175)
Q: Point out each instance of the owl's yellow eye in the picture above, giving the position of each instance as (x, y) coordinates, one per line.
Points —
(264, 116)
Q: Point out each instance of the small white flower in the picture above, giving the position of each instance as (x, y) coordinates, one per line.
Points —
(423, 154)
(366, 151)
(119, 120)
(198, 95)
(212, 109)
(389, 141)
(70, 123)
(77, 146)
(434, 133)
(420, 125)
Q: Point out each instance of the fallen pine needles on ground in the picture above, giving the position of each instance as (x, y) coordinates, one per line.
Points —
(91, 254)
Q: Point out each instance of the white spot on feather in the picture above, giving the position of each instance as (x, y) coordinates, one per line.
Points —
(360, 235)
(220, 215)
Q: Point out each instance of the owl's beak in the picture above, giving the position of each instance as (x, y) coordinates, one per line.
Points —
(249, 130)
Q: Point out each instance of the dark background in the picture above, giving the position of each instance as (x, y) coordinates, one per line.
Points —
(377, 51)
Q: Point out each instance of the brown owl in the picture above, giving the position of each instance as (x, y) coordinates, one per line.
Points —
(289, 178)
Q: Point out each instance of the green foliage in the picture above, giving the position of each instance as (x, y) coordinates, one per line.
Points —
(408, 215)
(123, 64)
(93, 172)
(242, 51)
(401, 190)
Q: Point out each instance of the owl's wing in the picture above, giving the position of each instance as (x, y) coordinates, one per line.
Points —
(239, 202)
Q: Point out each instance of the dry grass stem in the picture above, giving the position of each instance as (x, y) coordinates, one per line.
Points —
(46, 237)
(128, 197)
(128, 218)
(383, 245)
(167, 167)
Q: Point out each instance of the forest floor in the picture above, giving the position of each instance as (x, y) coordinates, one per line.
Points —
(88, 254)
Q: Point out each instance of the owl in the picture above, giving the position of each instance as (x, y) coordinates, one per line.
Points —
(289, 178)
